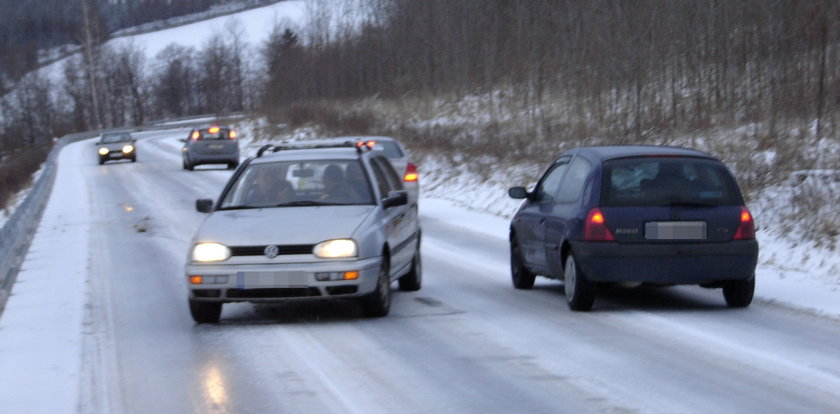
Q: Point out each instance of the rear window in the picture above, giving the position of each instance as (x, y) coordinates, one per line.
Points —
(389, 148)
(667, 181)
(214, 133)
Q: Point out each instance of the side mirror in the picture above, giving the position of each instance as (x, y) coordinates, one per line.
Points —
(396, 198)
(518, 192)
(204, 205)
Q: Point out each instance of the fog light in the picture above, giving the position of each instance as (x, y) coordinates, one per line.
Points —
(196, 280)
(322, 276)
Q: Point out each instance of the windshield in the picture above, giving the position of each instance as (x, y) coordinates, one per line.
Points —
(667, 181)
(109, 138)
(300, 183)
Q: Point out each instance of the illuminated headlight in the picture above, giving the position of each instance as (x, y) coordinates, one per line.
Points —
(128, 148)
(336, 248)
(103, 151)
(210, 252)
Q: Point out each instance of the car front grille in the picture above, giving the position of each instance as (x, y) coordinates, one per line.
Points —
(282, 250)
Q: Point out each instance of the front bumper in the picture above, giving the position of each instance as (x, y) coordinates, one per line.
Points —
(280, 282)
(672, 263)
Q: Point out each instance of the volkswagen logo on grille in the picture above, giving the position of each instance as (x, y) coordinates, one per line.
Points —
(271, 251)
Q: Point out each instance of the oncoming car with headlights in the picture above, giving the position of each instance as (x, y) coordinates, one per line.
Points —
(116, 146)
(303, 222)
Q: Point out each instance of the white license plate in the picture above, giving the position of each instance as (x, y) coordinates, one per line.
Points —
(675, 230)
(256, 280)
(215, 146)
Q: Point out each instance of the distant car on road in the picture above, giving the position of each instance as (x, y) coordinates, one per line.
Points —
(116, 146)
(306, 221)
(635, 214)
(210, 144)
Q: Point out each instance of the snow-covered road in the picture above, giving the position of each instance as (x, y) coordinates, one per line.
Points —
(98, 322)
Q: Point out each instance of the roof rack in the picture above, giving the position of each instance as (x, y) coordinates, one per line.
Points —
(285, 146)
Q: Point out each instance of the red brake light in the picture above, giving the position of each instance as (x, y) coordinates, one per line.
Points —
(595, 228)
(232, 134)
(411, 174)
(196, 135)
(370, 144)
(213, 130)
(746, 226)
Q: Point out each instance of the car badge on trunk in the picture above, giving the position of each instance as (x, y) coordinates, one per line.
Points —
(271, 251)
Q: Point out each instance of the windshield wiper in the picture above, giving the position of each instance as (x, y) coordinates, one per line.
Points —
(241, 207)
(686, 203)
(304, 203)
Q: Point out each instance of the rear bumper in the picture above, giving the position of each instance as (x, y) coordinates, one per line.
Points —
(214, 158)
(686, 263)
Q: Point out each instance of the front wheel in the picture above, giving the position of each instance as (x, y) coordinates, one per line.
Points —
(413, 280)
(378, 302)
(580, 293)
(205, 312)
(522, 278)
(739, 293)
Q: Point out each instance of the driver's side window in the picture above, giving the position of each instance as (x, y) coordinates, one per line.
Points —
(550, 184)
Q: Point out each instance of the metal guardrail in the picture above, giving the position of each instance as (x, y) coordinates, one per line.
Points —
(18, 232)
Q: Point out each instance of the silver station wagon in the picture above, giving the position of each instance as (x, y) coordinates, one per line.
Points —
(304, 222)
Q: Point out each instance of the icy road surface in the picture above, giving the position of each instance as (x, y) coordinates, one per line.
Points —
(102, 301)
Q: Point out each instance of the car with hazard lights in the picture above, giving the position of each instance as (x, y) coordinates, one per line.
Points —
(210, 144)
(306, 221)
(634, 215)
(395, 152)
(116, 146)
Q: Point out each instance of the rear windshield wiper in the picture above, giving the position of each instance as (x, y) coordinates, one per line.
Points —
(686, 203)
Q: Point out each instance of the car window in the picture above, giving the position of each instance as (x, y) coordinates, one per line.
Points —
(664, 181)
(211, 133)
(300, 183)
(385, 185)
(109, 138)
(389, 148)
(573, 182)
(394, 180)
(548, 186)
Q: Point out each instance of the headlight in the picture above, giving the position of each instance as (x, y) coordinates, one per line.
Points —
(335, 248)
(210, 252)
(103, 151)
(128, 148)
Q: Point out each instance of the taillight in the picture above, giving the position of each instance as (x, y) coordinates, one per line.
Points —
(232, 134)
(213, 130)
(595, 228)
(746, 226)
(196, 135)
(411, 174)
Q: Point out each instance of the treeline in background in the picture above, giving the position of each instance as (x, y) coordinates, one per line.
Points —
(543, 73)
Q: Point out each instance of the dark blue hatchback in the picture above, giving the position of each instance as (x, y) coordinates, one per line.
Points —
(637, 214)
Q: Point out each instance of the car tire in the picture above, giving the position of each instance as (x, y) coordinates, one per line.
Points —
(378, 303)
(739, 293)
(413, 280)
(580, 293)
(101, 161)
(133, 159)
(520, 275)
(205, 312)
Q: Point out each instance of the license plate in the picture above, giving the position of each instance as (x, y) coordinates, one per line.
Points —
(256, 280)
(675, 230)
(215, 146)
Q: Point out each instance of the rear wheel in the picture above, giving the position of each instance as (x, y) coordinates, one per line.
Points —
(580, 293)
(739, 293)
(413, 280)
(522, 278)
(205, 312)
(378, 302)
